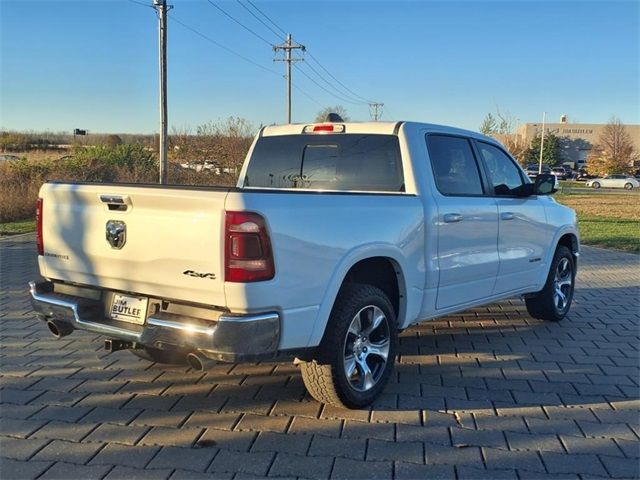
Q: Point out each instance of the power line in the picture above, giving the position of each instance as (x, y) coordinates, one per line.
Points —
(229, 50)
(260, 20)
(241, 24)
(232, 52)
(307, 95)
(267, 17)
(219, 45)
(350, 97)
(339, 82)
(331, 85)
(325, 89)
(141, 3)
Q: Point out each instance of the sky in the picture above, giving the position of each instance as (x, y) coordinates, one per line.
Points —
(94, 64)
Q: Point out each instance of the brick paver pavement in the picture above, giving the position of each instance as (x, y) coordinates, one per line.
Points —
(490, 393)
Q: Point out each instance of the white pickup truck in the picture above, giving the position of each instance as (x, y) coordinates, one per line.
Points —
(337, 237)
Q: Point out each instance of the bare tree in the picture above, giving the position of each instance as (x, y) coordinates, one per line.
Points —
(215, 153)
(614, 152)
(339, 109)
(517, 146)
(235, 127)
(501, 127)
(501, 123)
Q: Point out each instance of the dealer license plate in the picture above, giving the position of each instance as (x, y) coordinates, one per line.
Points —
(130, 309)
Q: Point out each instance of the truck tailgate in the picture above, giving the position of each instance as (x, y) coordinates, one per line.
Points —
(173, 245)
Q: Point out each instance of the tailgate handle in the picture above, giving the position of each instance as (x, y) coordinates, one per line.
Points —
(116, 203)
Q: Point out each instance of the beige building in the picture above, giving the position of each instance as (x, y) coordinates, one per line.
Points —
(576, 139)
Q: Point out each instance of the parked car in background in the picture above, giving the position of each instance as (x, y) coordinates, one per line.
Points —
(582, 175)
(202, 165)
(533, 168)
(560, 172)
(532, 173)
(614, 181)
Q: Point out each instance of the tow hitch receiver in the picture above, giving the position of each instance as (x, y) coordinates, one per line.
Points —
(112, 345)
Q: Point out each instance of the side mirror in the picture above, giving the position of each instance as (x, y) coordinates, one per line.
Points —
(545, 184)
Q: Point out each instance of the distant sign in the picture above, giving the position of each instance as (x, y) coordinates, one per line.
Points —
(77, 131)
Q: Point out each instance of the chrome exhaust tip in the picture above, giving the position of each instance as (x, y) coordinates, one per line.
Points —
(198, 362)
(59, 329)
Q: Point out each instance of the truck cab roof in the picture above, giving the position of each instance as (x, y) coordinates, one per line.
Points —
(379, 128)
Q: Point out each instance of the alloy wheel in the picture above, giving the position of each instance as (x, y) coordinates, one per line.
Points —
(366, 349)
(562, 285)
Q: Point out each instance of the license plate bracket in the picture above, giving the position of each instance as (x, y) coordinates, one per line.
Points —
(128, 308)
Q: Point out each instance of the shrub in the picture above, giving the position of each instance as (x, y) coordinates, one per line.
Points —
(14, 142)
(20, 180)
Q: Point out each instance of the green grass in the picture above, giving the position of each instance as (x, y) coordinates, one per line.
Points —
(19, 226)
(610, 232)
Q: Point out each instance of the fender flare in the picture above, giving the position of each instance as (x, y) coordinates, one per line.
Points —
(352, 257)
(562, 231)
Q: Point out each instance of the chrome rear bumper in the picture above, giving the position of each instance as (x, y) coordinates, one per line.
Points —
(229, 338)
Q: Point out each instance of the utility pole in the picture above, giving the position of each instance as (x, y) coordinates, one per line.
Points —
(287, 47)
(375, 110)
(544, 117)
(162, 9)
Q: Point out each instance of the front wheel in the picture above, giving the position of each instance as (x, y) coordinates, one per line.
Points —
(628, 186)
(358, 350)
(595, 185)
(553, 301)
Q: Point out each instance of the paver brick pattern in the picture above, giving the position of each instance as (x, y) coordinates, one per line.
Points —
(488, 393)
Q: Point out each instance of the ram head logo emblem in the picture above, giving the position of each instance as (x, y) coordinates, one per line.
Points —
(116, 234)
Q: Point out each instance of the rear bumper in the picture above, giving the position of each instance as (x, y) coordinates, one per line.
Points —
(229, 338)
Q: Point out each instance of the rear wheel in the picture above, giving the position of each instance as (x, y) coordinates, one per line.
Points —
(552, 303)
(357, 353)
(595, 185)
(628, 186)
(171, 357)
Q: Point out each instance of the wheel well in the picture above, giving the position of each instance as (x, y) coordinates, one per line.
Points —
(381, 272)
(570, 241)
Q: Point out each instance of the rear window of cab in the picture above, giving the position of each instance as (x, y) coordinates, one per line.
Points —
(339, 162)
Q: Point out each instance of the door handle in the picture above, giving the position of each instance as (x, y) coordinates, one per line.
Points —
(452, 217)
(507, 216)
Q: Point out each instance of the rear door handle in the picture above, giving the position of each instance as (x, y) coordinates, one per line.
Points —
(452, 217)
(507, 216)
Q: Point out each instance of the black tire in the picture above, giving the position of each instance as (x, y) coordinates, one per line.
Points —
(169, 357)
(544, 305)
(628, 186)
(595, 185)
(325, 377)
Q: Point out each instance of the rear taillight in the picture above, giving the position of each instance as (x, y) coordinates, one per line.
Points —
(247, 250)
(39, 206)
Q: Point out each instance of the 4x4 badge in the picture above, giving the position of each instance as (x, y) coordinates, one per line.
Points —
(191, 273)
(116, 234)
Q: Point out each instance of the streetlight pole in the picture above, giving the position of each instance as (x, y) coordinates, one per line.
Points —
(544, 117)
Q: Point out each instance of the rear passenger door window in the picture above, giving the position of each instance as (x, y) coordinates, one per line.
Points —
(454, 166)
(504, 174)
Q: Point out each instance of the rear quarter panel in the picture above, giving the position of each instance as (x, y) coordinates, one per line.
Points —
(316, 238)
